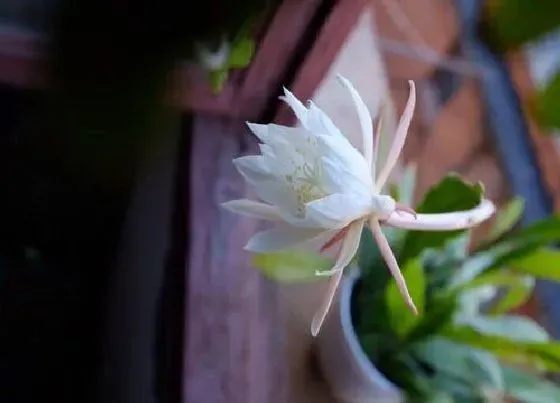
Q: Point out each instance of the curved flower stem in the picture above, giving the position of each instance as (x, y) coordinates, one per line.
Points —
(443, 221)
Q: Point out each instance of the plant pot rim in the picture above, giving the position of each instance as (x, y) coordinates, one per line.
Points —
(345, 312)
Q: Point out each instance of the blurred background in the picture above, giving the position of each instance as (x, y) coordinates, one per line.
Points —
(120, 278)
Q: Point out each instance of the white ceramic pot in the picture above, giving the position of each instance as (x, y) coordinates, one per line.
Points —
(349, 372)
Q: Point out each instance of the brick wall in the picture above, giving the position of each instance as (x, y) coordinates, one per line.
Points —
(449, 132)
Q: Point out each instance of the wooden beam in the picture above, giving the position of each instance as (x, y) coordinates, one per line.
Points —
(21, 61)
(545, 146)
(244, 96)
(234, 348)
(332, 36)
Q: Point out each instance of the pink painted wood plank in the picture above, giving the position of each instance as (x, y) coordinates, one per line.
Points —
(234, 349)
(274, 56)
(21, 63)
(331, 38)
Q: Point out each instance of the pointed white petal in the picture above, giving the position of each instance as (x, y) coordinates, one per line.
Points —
(253, 168)
(399, 139)
(365, 120)
(319, 122)
(277, 239)
(337, 210)
(261, 131)
(444, 221)
(253, 209)
(273, 192)
(349, 248)
(295, 104)
(339, 150)
(339, 178)
(376, 139)
(266, 150)
(391, 261)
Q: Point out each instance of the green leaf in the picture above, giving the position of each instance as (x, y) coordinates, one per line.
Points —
(539, 233)
(517, 289)
(441, 264)
(291, 266)
(520, 249)
(241, 53)
(439, 397)
(451, 194)
(471, 300)
(545, 354)
(548, 102)
(506, 218)
(478, 263)
(517, 328)
(543, 263)
(402, 319)
(218, 78)
(511, 23)
(473, 366)
(529, 388)
(438, 315)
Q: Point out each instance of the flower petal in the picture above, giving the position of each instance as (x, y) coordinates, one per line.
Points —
(339, 178)
(282, 238)
(253, 168)
(365, 119)
(342, 152)
(319, 122)
(260, 131)
(266, 150)
(254, 209)
(295, 104)
(337, 210)
(399, 139)
(444, 221)
(391, 261)
(376, 141)
(347, 252)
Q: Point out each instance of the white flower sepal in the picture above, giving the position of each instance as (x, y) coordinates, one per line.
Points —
(317, 186)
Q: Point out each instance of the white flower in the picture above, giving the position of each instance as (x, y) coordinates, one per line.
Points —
(315, 184)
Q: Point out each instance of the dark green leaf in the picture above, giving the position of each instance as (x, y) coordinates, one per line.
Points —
(513, 327)
(241, 53)
(473, 366)
(291, 266)
(217, 79)
(543, 263)
(438, 315)
(529, 388)
(539, 233)
(439, 397)
(516, 289)
(511, 23)
(451, 194)
(548, 102)
(537, 354)
(506, 218)
(480, 262)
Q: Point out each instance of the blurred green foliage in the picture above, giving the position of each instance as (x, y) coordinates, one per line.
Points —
(508, 25)
(466, 345)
